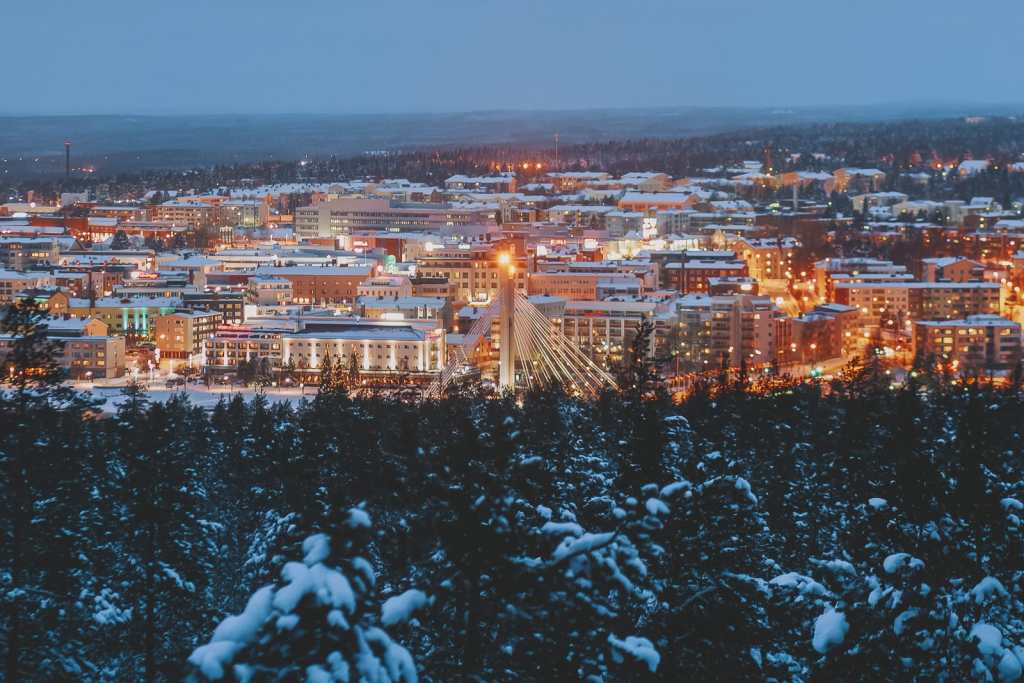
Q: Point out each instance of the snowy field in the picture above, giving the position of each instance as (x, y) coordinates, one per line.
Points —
(200, 395)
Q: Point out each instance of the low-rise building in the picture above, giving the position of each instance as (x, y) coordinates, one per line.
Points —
(502, 182)
(87, 350)
(385, 286)
(406, 308)
(13, 283)
(374, 346)
(581, 286)
(316, 285)
(132, 318)
(90, 357)
(950, 268)
(694, 276)
(19, 253)
(266, 290)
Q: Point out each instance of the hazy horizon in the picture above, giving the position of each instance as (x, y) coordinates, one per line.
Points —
(323, 58)
(882, 108)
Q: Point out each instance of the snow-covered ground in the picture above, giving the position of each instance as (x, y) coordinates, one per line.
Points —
(112, 393)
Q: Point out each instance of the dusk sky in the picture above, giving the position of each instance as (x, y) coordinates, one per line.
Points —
(338, 56)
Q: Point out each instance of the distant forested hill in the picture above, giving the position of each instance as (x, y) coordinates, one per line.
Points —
(34, 144)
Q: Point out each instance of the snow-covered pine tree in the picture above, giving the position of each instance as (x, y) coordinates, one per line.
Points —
(318, 624)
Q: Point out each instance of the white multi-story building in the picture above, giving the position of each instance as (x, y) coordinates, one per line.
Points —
(377, 346)
(346, 215)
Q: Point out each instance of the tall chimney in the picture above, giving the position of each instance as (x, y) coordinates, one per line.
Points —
(67, 158)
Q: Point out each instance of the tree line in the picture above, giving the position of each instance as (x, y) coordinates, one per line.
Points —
(849, 530)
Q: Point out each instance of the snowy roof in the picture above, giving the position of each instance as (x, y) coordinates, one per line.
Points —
(716, 265)
(579, 175)
(860, 171)
(401, 301)
(917, 285)
(193, 262)
(656, 197)
(641, 176)
(609, 306)
(973, 165)
(971, 321)
(943, 261)
(17, 275)
(580, 208)
(482, 180)
(359, 332)
(325, 271)
(833, 307)
(771, 242)
(134, 302)
(194, 313)
(67, 324)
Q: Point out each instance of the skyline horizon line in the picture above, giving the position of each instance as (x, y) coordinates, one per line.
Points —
(768, 108)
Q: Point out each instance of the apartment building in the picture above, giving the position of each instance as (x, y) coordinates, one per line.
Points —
(438, 287)
(230, 345)
(198, 215)
(660, 201)
(604, 329)
(975, 344)
(954, 300)
(93, 357)
(766, 259)
(895, 304)
(694, 276)
(474, 274)
(244, 213)
(826, 270)
(182, 335)
(727, 330)
(950, 268)
(230, 304)
(645, 181)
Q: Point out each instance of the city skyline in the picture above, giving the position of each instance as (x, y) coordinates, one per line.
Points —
(614, 351)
